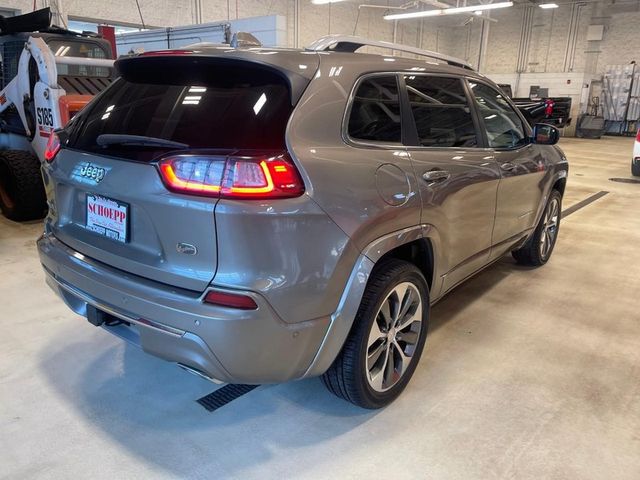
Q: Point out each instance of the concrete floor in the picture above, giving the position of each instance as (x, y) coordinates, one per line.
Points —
(527, 374)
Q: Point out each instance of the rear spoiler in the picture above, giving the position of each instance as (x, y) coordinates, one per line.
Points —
(29, 22)
(177, 62)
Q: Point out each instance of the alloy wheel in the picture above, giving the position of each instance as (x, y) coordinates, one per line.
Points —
(393, 336)
(550, 228)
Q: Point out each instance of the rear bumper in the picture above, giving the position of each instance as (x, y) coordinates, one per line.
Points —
(225, 344)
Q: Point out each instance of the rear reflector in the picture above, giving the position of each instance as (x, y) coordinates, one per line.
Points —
(53, 147)
(233, 300)
(249, 177)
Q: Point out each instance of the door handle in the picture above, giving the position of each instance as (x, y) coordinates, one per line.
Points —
(508, 166)
(433, 176)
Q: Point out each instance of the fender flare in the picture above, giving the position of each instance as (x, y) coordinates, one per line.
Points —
(342, 319)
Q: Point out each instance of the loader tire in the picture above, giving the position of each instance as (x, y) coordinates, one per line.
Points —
(22, 195)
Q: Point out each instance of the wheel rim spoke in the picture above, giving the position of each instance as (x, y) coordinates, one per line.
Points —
(376, 377)
(385, 312)
(375, 334)
(396, 298)
(413, 315)
(406, 303)
(404, 359)
(389, 369)
(373, 355)
(410, 337)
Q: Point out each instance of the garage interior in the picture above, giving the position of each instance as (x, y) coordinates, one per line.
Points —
(527, 373)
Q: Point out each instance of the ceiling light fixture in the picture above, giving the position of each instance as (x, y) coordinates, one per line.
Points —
(477, 8)
(546, 6)
(324, 2)
(420, 14)
(448, 11)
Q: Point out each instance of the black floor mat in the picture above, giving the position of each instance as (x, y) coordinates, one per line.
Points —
(224, 395)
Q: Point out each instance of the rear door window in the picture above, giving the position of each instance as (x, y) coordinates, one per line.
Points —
(375, 111)
(441, 111)
(212, 107)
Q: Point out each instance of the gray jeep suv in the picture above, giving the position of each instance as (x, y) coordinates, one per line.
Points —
(261, 215)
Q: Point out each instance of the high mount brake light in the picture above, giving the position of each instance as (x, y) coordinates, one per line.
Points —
(53, 147)
(159, 53)
(249, 177)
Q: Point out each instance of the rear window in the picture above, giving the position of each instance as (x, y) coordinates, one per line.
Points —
(76, 48)
(375, 112)
(198, 104)
(441, 111)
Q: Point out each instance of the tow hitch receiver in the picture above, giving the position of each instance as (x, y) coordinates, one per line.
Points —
(96, 317)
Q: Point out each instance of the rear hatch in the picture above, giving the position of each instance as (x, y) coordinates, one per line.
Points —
(110, 202)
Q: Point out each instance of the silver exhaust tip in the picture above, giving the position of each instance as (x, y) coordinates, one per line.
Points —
(198, 373)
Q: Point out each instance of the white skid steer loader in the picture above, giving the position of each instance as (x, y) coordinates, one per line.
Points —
(54, 74)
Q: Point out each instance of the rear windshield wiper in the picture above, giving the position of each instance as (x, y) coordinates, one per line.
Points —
(107, 139)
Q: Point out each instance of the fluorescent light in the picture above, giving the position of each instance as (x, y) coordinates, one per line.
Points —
(448, 11)
(62, 51)
(259, 104)
(324, 2)
(477, 8)
(548, 5)
(422, 13)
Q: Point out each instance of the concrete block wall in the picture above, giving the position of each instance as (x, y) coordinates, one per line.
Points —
(314, 20)
(454, 36)
(621, 39)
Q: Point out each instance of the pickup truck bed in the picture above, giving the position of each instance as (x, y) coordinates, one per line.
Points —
(554, 110)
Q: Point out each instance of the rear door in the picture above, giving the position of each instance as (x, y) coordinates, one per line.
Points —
(522, 167)
(109, 201)
(458, 177)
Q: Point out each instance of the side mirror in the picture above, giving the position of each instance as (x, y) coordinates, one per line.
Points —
(544, 134)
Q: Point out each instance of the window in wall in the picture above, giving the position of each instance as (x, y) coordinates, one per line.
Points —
(502, 123)
(375, 112)
(441, 111)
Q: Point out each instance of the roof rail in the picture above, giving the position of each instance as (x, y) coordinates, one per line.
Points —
(351, 43)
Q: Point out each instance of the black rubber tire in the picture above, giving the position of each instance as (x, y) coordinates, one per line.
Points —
(346, 378)
(635, 169)
(22, 195)
(529, 254)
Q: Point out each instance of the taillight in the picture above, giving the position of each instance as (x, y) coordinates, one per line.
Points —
(233, 300)
(638, 136)
(250, 177)
(53, 147)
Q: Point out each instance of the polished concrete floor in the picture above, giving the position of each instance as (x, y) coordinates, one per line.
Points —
(527, 374)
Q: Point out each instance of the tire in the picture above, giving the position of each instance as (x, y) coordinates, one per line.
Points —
(22, 195)
(635, 168)
(350, 377)
(534, 253)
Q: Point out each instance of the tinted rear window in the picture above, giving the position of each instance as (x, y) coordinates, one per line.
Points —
(203, 106)
(441, 111)
(375, 113)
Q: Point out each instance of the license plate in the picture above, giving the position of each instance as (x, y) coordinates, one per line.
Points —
(108, 217)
